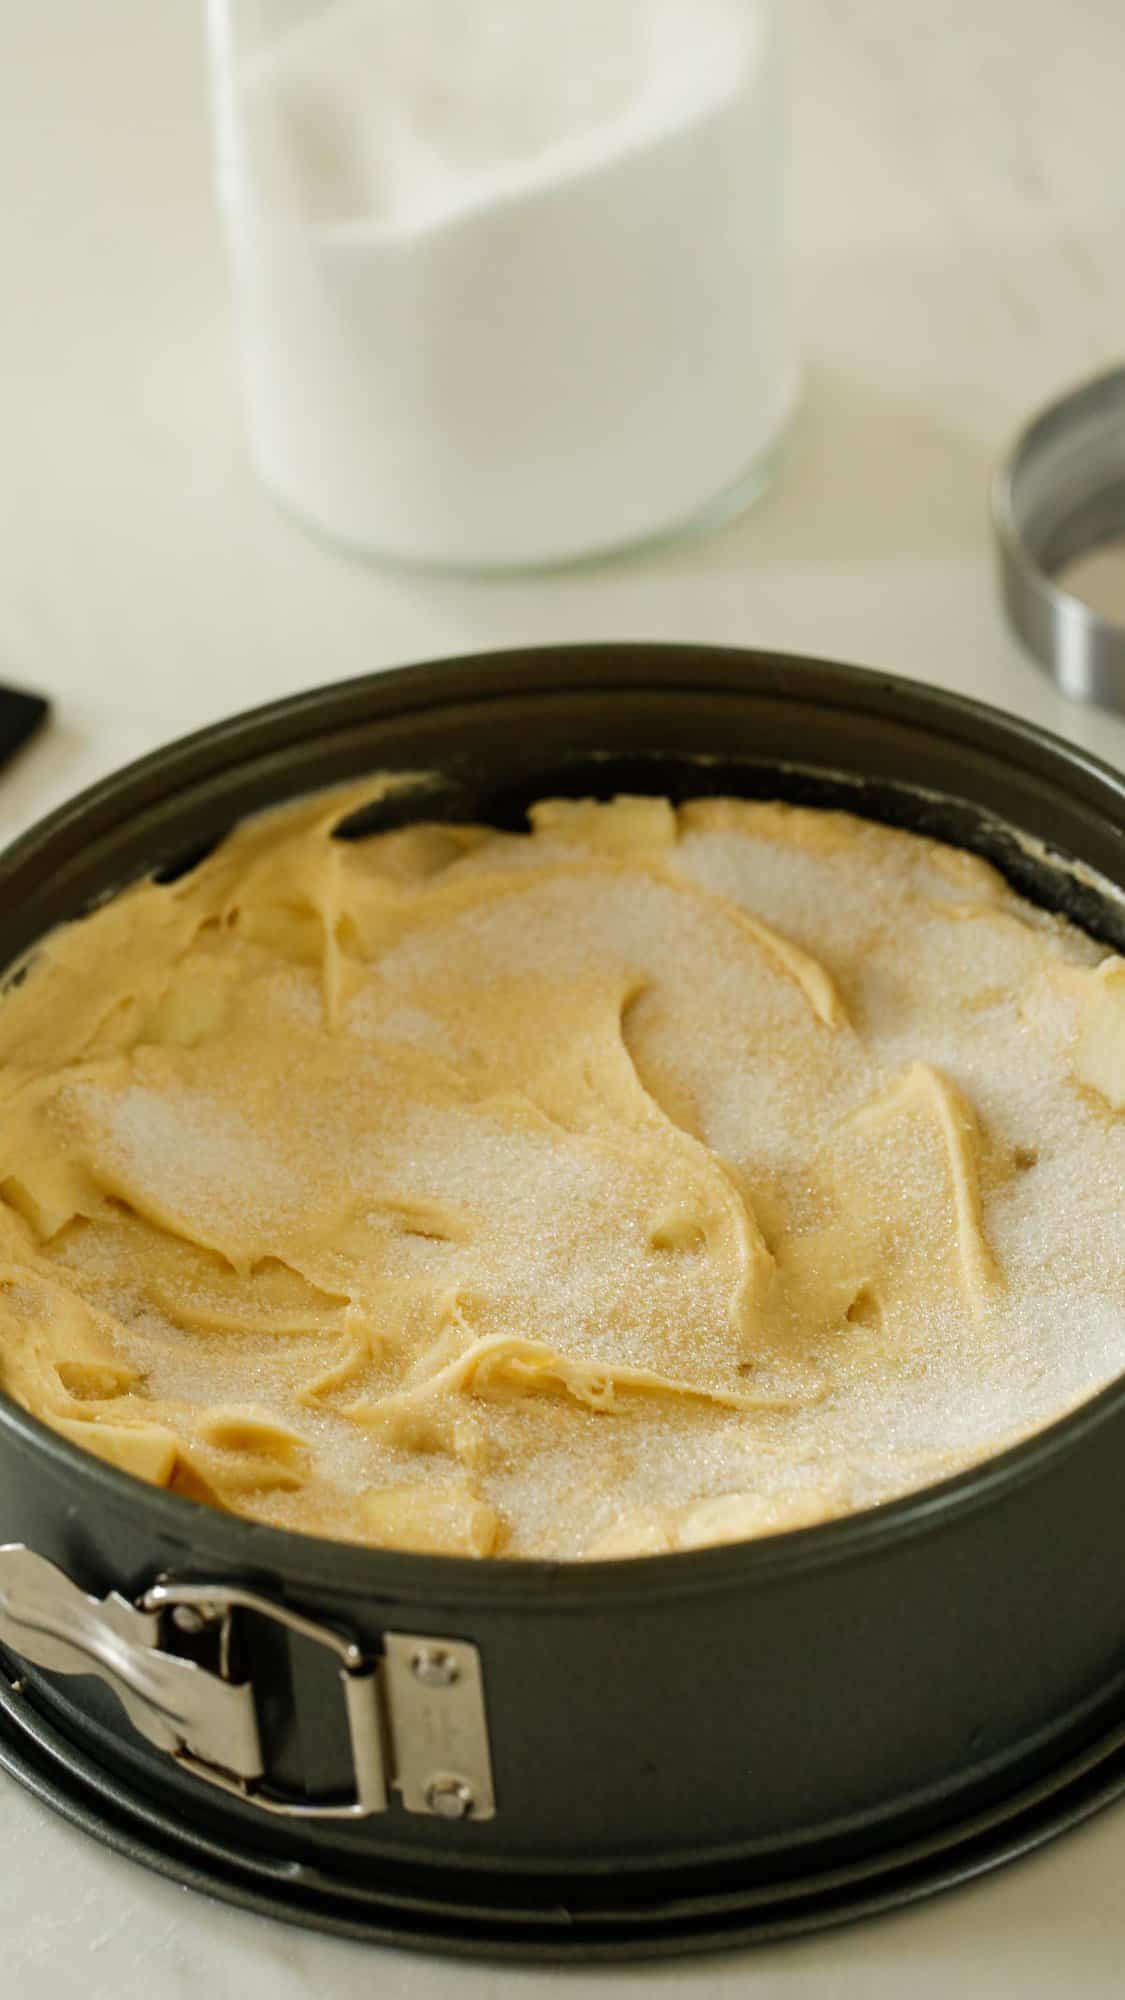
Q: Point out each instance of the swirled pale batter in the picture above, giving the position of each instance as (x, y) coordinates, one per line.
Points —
(652, 1179)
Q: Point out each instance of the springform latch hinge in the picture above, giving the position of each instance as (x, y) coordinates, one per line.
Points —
(415, 1707)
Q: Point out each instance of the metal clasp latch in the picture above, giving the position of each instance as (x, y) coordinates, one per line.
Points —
(192, 1608)
(415, 1709)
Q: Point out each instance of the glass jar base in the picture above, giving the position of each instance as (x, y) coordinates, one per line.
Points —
(747, 486)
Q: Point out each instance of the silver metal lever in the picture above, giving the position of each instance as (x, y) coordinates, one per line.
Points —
(415, 1710)
(174, 1703)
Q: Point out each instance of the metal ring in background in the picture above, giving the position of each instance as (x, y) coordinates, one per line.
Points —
(1060, 493)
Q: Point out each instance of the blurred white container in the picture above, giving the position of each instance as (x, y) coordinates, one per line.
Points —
(507, 272)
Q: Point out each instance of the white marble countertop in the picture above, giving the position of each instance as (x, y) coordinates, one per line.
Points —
(959, 236)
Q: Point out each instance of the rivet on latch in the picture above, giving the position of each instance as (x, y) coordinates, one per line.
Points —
(435, 1668)
(450, 1798)
(192, 1618)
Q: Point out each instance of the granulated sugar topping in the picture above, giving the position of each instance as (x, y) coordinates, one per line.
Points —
(651, 1179)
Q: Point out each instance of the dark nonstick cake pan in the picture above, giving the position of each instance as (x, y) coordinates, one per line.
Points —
(605, 1758)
